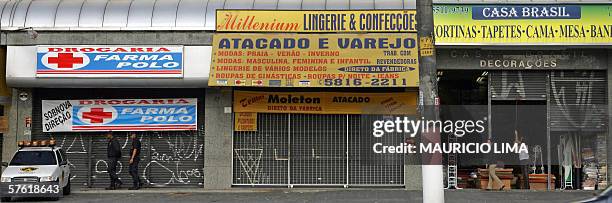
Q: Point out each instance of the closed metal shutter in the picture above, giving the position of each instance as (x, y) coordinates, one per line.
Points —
(318, 149)
(578, 101)
(312, 149)
(167, 158)
(518, 85)
(262, 157)
(367, 167)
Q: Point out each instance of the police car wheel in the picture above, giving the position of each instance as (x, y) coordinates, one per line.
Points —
(5, 199)
(66, 190)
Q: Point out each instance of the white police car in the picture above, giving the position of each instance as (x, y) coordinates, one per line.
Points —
(38, 169)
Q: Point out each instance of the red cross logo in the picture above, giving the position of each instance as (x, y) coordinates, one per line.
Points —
(65, 60)
(97, 115)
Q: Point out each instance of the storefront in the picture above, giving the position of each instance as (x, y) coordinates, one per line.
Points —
(80, 92)
(542, 78)
(304, 103)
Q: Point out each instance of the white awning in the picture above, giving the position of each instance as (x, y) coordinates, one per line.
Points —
(156, 14)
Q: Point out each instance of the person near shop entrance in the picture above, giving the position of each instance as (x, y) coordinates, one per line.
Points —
(113, 152)
(523, 159)
(491, 168)
(134, 160)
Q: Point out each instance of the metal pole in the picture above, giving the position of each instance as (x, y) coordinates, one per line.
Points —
(433, 178)
(548, 145)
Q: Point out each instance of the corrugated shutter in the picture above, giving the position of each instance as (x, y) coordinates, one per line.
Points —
(167, 158)
(578, 101)
(518, 85)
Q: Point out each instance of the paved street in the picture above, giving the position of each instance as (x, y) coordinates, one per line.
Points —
(353, 195)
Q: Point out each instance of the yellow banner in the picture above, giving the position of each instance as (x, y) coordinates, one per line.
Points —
(316, 21)
(322, 60)
(244, 121)
(523, 24)
(325, 102)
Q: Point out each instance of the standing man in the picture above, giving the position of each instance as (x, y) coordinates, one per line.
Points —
(523, 159)
(113, 152)
(134, 160)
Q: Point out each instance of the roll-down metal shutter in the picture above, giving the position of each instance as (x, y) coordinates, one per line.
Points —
(167, 158)
(578, 101)
(518, 85)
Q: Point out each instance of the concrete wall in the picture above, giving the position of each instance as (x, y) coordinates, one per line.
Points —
(18, 112)
(218, 139)
(111, 37)
(609, 141)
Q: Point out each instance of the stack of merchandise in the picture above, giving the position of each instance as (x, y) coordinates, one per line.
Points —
(602, 153)
(589, 169)
(538, 181)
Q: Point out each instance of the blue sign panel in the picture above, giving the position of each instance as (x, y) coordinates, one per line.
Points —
(526, 12)
(119, 115)
(109, 61)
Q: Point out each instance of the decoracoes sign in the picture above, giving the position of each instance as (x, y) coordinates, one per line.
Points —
(119, 115)
(316, 21)
(324, 60)
(523, 24)
(325, 102)
(109, 61)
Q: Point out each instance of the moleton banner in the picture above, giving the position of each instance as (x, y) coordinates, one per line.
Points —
(397, 103)
(316, 21)
(523, 24)
(178, 114)
(308, 60)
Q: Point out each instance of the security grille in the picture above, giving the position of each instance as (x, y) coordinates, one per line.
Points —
(366, 167)
(578, 101)
(311, 149)
(318, 149)
(518, 85)
(262, 157)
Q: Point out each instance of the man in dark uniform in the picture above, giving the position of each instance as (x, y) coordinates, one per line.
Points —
(113, 152)
(134, 160)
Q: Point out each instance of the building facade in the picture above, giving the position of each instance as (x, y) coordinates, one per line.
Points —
(274, 130)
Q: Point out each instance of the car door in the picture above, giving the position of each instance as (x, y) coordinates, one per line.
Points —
(60, 160)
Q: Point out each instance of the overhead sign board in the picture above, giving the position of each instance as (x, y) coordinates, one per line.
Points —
(322, 60)
(119, 115)
(528, 24)
(109, 61)
(325, 102)
(316, 21)
(569, 59)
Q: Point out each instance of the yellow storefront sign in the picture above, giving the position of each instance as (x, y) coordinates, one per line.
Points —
(316, 21)
(528, 24)
(325, 102)
(245, 121)
(322, 60)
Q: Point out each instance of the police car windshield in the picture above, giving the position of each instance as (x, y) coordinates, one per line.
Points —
(33, 158)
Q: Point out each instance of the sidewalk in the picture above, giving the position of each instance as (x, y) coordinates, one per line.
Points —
(281, 195)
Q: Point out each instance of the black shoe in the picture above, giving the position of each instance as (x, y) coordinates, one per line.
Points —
(140, 184)
(118, 185)
(110, 188)
(134, 188)
(502, 187)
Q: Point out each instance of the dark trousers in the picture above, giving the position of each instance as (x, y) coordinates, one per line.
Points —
(134, 173)
(112, 171)
(525, 172)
